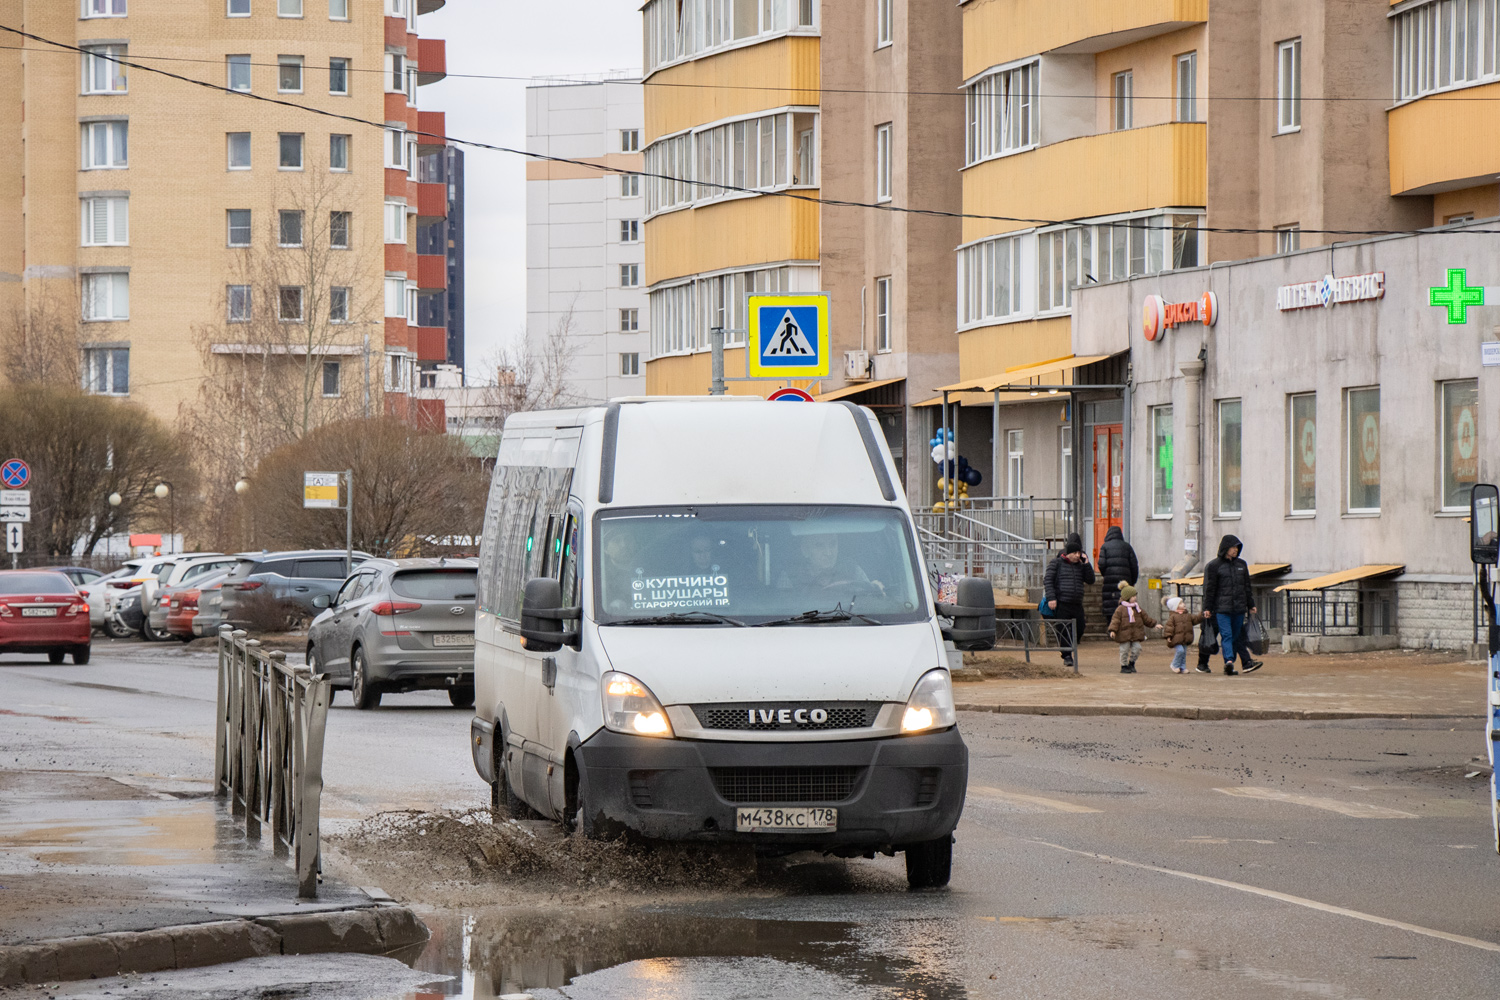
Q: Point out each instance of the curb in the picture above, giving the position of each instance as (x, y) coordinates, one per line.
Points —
(371, 930)
(1207, 714)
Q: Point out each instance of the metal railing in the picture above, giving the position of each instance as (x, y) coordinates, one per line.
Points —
(1044, 518)
(1036, 633)
(268, 757)
(1365, 611)
(968, 541)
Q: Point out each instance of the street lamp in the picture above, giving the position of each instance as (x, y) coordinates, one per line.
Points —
(115, 499)
(163, 491)
(242, 486)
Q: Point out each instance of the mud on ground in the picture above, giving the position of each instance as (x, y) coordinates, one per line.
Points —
(998, 665)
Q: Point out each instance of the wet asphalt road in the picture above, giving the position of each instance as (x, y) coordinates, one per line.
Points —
(1099, 857)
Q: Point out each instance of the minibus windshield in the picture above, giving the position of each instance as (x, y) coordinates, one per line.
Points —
(758, 565)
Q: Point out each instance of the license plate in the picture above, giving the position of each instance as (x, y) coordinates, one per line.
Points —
(38, 612)
(453, 639)
(764, 819)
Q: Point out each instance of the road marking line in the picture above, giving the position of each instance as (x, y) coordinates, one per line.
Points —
(1310, 904)
(1358, 810)
(1034, 801)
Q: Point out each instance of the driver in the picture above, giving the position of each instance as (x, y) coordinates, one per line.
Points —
(822, 569)
(618, 551)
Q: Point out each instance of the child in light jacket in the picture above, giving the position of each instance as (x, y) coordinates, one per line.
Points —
(1128, 627)
(1179, 633)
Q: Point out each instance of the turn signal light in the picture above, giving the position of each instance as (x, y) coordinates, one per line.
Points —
(394, 608)
(80, 608)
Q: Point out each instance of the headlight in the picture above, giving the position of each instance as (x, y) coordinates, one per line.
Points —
(630, 707)
(930, 705)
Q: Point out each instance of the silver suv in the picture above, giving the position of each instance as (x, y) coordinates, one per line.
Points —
(399, 625)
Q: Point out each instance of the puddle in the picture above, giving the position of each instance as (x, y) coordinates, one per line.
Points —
(659, 955)
(122, 832)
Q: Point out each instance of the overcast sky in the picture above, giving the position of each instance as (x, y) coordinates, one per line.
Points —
(520, 39)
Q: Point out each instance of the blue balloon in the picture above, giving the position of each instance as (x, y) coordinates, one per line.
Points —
(973, 477)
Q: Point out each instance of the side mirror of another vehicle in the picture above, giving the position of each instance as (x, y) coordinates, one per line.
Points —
(542, 617)
(322, 601)
(1484, 525)
(973, 627)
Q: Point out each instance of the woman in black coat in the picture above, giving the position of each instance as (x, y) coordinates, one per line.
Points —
(1116, 563)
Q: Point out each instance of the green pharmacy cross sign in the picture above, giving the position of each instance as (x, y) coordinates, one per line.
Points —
(1457, 296)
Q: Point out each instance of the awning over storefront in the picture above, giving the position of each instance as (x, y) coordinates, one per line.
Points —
(1343, 576)
(854, 390)
(975, 399)
(1056, 371)
(1256, 569)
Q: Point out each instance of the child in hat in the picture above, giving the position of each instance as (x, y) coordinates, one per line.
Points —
(1179, 632)
(1128, 627)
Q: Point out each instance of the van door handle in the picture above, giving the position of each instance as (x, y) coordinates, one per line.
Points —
(300, 590)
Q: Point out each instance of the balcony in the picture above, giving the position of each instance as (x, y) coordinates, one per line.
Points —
(395, 182)
(395, 32)
(1160, 166)
(998, 31)
(432, 271)
(725, 84)
(395, 108)
(432, 200)
(428, 6)
(432, 60)
(397, 258)
(1426, 158)
(434, 123)
(738, 233)
(432, 343)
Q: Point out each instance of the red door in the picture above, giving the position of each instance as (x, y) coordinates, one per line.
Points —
(1109, 481)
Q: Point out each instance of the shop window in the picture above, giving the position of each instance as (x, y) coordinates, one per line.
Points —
(1362, 427)
(1229, 458)
(1458, 449)
(1302, 452)
(1015, 462)
(1161, 461)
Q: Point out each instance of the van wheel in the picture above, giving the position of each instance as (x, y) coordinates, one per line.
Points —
(502, 797)
(461, 697)
(55, 656)
(929, 864)
(365, 694)
(81, 654)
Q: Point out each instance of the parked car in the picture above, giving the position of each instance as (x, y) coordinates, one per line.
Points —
(183, 602)
(81, 576)
(100, 591)
(298, 577)
(124, 614)
(174, 575)
(399, 625)
(42, 612)
(210, 609)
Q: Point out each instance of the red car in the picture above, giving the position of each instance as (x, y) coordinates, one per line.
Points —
(182, 608)
(42, 612)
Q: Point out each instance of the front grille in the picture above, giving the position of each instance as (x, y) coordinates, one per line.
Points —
(766, 785)
(767, 716)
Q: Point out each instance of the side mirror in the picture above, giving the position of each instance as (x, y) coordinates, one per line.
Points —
(322, 601)
(973, 616)
(542, 617)
(1484, 524)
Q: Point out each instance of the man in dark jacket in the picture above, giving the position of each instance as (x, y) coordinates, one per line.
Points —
(1116, 563)
(1228, 598)
(1066, 577)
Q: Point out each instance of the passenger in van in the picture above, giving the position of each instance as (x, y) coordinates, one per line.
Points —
(618, 554)
(822, 569)
(703, 553)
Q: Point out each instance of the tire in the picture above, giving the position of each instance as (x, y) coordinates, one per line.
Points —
(503, 798)
(55, 656)
(929, 865)
(152, 635)
(81, 655)
(364, 692)
(116, 629)
(311, 659)
(461, 697)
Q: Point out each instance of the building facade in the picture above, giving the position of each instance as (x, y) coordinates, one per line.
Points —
(174, 230)
(587, 322)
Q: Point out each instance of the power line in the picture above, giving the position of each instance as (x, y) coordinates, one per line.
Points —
(730, 188)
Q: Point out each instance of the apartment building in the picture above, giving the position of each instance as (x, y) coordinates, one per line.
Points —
(754, 109)
(587, 323)
(181, 229)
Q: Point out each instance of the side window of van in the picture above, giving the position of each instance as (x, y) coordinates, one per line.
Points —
(568, 576)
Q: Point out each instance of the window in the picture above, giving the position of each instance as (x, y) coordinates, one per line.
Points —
(411, 85)
(630, 275)
(239, 8)
(338, 10)
(1065, 461)
(338, 76)
(289, 303)
(239, 227)
(395, 298)
(398, 373)
(288, 8)
(237, 69)
(289, 230)
(630, 364)
(884, 29)
(395, 73)
(291, 150)
(338, 230)
(395, 8)
(680, 30)
(1459, 447)
(1063, 262)
(630, 231)
(106, 222)
(338, 304)
(411, 157)
(106, 371)
(106, 145)
(726, 160)
(239, 150)
(1121, 100)
(1229, 458)
(102, 73)
(411, 302)
(1288, 238)
(106, 297)
(238, 297)
(630, 320)
(1445, 45)
(338, 152)
(330, 378)
(1289, 86)
(1015, 462)
(630, 140)
(395, 222)
(395, 148)
(883, 163)
(1001, 113)
(882, 315)
(1363, 430)
(630, 185)
(1458, 220)
(1187, 87)
(103, 8)
(1161, 461)
(1302, 452)
(990, 280)
(289, 74)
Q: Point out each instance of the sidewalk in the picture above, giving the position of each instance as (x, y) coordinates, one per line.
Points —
(1393, 684)
(102, 875)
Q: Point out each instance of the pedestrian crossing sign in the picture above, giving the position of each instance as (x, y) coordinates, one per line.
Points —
(788, 335)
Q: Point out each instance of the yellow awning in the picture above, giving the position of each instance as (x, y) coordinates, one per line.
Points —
(858, 387)
(1256, 569)
(1045, 372)
(962, 398)
(1343, 576)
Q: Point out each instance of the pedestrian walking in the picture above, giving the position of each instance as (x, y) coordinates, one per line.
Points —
(1227, 598)
(1128, 627)
(1067, 575)
(1178, 629)
(1117, 563)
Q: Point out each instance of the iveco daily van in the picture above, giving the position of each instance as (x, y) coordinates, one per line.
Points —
(708, 619)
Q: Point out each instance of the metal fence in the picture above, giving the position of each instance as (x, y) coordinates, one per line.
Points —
(269, 750)
(1008, 539)
(1036, 633)
(1361, 611)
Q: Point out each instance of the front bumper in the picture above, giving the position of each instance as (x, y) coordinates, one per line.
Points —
(906, 789)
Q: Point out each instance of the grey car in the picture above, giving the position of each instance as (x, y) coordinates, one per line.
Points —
(299, 577)
(399, 625)
(188, 571)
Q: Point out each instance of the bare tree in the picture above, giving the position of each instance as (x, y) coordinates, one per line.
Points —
(517, 379)
(41, 335)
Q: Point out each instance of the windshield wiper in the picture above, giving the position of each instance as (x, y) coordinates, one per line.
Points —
(816, 617)
(682, 618)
